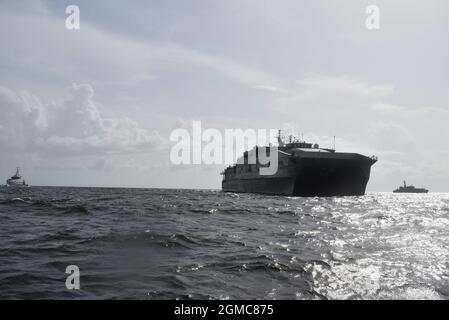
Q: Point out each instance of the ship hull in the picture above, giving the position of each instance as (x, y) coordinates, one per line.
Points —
(309, 177)
(15, 183)
(414, 191)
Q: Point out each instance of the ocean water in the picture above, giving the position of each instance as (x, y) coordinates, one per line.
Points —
(168, 244)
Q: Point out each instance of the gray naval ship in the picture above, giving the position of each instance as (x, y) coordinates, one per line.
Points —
(304, 169)
(410, 189)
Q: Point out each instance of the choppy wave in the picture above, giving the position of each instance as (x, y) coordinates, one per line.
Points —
(154, 243)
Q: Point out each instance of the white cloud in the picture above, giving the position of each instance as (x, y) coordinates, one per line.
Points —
(333, 90)
(268, 88)
(73, 126)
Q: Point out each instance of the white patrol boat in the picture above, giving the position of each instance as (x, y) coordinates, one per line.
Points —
(16, 180)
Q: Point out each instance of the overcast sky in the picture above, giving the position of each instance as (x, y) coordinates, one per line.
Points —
(95, 106)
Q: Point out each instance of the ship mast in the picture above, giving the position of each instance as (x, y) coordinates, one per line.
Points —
(279, 137)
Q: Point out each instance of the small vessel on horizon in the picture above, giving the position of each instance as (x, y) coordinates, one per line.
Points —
(16, 180)
(409, 189)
